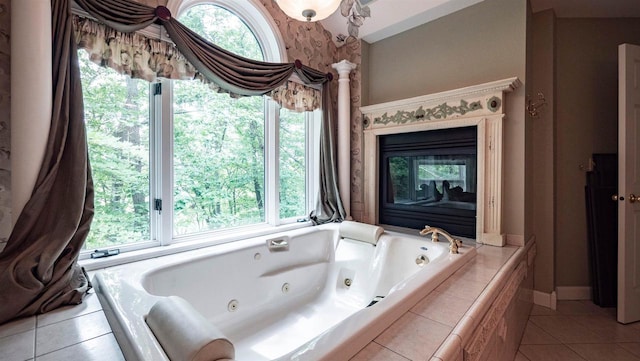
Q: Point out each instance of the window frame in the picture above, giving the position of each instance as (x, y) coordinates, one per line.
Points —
(255, 16)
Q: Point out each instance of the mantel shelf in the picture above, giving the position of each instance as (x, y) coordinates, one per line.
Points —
(504, 85)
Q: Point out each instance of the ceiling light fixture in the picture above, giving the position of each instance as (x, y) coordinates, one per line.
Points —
(308, 10)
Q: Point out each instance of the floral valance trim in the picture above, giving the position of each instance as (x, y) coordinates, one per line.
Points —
(141, 57)
(132, 54)
(297, 97)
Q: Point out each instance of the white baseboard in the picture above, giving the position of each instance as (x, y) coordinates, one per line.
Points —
(548, 300)
(573, 293)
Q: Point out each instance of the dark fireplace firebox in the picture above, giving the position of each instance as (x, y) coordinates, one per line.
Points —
(430, 178)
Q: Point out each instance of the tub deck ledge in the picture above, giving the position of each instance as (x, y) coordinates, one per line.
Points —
(478, 313)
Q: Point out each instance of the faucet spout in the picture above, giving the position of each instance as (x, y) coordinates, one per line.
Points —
(454, 243)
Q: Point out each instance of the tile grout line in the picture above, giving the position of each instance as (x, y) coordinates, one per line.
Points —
(430, 319)
(70, 318)
(35, 336)
(386, 348)
(77, 343)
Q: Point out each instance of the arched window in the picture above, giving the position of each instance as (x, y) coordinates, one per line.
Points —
(202, 161)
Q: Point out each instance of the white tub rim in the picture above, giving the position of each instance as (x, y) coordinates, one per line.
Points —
(118, 317)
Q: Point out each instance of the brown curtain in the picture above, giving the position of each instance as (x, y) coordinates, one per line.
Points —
(38, 267)
(329, 206)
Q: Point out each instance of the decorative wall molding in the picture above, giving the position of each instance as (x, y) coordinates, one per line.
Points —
(468, 93)
(478, 105)
(441, 111)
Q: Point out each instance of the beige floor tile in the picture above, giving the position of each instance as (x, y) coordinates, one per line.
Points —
(414, 336)
(542, 311)
(102, 348)
(611, 312)
(18, 326)
(608, 329)
(89, 304)
(603, 352)
(579, 308)
(534, 335)
(17, 347)
(375, 352)
(520, 357)
(565, 329)
(549, 353)
(69, 332)
(633, 347)
(442, 307)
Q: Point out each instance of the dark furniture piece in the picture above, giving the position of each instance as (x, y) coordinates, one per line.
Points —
(602, 222)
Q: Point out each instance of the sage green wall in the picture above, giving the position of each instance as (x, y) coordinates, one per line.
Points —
(587, 96)
(478, 44)
(542, 148)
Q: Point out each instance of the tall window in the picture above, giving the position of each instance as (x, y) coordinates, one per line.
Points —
(117, 121)
(176, 160)
(218, 141)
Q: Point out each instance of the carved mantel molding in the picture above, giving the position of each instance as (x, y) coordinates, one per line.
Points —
(479, 105)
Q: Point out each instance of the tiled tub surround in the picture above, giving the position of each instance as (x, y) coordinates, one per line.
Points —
(440, 326)
(479, 313)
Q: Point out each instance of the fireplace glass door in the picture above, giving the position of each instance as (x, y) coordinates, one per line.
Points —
(430, 178)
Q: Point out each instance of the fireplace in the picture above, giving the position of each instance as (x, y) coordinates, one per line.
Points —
(437, 160)
(429, 178)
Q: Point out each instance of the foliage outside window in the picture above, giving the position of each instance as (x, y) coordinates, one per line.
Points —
(219, 150)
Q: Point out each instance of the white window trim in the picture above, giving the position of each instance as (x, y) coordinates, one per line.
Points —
(259, 21)
(256, 17)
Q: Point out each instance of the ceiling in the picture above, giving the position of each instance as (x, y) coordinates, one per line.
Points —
(390, 17)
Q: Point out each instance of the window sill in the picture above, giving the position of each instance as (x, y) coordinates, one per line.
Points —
(187, 245)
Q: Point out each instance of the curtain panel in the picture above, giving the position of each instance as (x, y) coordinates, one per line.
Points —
(38, 267)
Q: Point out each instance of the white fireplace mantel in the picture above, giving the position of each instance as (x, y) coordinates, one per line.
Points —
(479, 105)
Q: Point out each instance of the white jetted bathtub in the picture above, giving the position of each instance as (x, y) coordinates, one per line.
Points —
(307, 294)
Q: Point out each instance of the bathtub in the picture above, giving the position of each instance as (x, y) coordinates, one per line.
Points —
(302, 295)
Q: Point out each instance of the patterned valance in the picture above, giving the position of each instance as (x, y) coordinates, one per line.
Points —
(132, 54)
(141, 57)
(297, 97)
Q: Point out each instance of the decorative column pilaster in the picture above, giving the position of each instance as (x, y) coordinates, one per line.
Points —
(344, 68)
(31, 95)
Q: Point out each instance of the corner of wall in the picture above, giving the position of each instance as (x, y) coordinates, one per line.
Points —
(5, 122)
